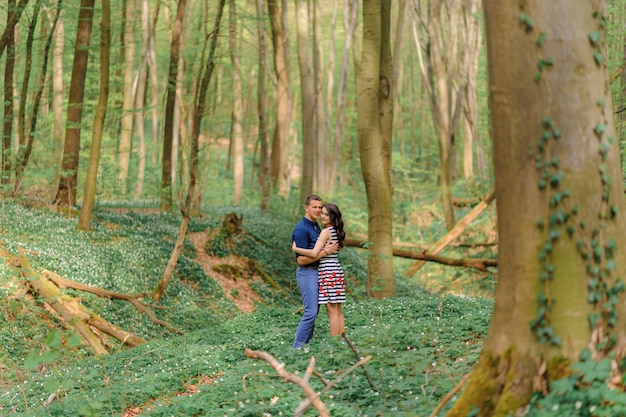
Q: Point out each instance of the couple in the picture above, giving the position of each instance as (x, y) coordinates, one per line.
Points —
(319, 274)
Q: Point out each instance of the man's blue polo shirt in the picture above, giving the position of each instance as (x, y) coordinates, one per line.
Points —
(305, 234)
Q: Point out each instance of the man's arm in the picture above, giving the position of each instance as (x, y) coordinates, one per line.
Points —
(329, 247)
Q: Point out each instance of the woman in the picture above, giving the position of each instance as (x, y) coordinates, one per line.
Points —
(332, 288)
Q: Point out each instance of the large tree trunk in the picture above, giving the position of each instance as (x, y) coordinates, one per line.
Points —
(66, 193)
(84, 223)
(375, 118)
(561, 211)
(280, 143)
(307, 94)
(237, 129)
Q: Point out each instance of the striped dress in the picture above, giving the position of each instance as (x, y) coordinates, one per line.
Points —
(331, 278)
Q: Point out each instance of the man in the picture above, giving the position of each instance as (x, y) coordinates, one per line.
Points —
(305, 234)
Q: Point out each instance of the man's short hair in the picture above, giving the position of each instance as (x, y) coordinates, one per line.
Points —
(312, 197)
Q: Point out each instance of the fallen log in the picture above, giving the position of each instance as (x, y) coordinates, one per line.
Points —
(53, 297)
(133, 299)
(477, 263)
(455, 232)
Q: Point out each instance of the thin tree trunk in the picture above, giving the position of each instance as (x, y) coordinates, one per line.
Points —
(57, 82)
(12, 19)
(198, 112)
(307, 92)
(237, 129)
(264, 159)
(170, 126)
(84, 222)
(280, 143)
(140, 97)
(7, 123)
(66, 193)
(128, 94)
(26, 150)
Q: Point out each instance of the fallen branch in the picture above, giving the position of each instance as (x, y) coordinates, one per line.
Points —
(51, 295)
(451, 394)
(358, 357)
(293, 378)
(455, 232)
(133, 299)
(477, 263)
(304, 405)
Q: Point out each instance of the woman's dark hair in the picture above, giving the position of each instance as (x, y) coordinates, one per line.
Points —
(336, 221)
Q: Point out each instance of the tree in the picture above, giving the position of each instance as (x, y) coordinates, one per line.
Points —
(66, 192)
(128, 93)
(264, 159)
(374, 124)
(7, 122)
(84, 223)
(202, 86)
(445, 57)
(278, 158)
(237, 129)
(561, 211)
(307, 96)
(170, 104)
(27, 139)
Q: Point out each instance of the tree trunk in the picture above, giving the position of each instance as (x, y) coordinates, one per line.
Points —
(128, 96)
(374, 126)
(13, 17)
(26, 149)
(84, 223)
(140, 97)
(198, 113)
(307, 94)
(7, 122)
(280, 142)
(561, 211)
(66, 193)
(264, 159)
(237, 129)
(170, 104)
(444, 67)
(469, 104)
(57, 83)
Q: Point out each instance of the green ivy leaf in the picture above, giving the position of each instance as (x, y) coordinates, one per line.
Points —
(53, 340)
(595, 37)
(598, 57)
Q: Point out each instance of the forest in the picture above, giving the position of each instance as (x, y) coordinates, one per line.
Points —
(157, 154)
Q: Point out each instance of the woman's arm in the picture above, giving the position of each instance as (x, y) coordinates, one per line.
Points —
(317, 251)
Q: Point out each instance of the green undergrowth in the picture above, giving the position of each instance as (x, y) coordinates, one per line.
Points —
(420, 347)
(421, 344)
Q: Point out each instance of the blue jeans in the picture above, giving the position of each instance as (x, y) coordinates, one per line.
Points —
(307, 281)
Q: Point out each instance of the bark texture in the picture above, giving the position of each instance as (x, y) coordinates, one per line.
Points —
(560, 202)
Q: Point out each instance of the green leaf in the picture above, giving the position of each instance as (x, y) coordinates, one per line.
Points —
(595, 37)
(74, 340)
(32, 360)
(54, 339)
(598, 57)
(541, 39)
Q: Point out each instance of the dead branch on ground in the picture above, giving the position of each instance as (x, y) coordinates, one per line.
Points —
(477, 263)
(293, 378)
(358, 358)
(455, 232)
